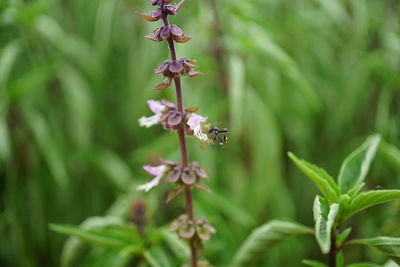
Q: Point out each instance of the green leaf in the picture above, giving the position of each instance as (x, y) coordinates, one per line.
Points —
(391, 153)
(341, 237)
(320, 177)
(340, 259)
(390, 246)
(324, 217)
(110, 236)
(364, 264)
(152, 261)
(265, 237)
(73, 245)
(368, 199)
(313, 263)
(178, 247)
(356, 166)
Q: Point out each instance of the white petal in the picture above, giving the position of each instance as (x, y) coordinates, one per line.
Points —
(197, 132)
(149, 121)
(147, 186)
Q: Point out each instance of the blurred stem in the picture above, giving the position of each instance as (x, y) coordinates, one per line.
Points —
(182, 140)
(333, 251)
(218, 49)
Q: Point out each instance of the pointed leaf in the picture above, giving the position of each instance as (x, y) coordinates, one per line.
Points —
(111, 237)
(368, 199)
(390, 246)
(340, 238)
(364, 264)
(173, 193)
(324, 217)
(356, 166)
(151, 260)
(313, 263)
(320, 178)
(177, 245)
(265, 237)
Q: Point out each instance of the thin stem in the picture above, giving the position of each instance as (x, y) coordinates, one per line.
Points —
(182, 140)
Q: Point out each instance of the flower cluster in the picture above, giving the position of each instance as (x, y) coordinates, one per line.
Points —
(164, 32)
(174, 68)
(187, 229)
(185, 175)
(175, 173)
(163, 6)
(166, 114)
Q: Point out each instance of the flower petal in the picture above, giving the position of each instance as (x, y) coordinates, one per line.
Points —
(165, 33)
(175, 30)
(156, 106)
(174, 175)
(187, 230)
(176, 66)
(195, 120)
(155, 170)
(147, 186)
(149, 121)
(199, 170)
(174, 119)
(188, 176)
(157, 13)
(162, 67)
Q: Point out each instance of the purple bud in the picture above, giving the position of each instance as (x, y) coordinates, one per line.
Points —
(188, 177)
(162, 67)
(175, 118)
(165, 33)
(176, 66)
(174, 174)
(175, 30)
(199, 170)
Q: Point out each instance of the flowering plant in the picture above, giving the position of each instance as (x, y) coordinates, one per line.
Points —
(186, 175)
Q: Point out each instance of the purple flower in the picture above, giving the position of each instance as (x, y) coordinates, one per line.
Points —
(157, 107)
(158, 172)
(165, 32)
(157, 13)
(194, 123)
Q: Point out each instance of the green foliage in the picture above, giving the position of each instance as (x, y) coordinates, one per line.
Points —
(312, 77)
(324, 217)
(320, 177)
(356, 166)
(314, 263)
(112, 236)
(265, 237)
(389, 246)
(368, 199)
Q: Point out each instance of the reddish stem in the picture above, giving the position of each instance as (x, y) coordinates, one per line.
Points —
(182, 140)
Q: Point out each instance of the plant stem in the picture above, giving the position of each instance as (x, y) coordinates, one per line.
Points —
(333, 251)
(182, 140)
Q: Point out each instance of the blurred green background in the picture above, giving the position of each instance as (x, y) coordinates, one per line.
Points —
(310, 76)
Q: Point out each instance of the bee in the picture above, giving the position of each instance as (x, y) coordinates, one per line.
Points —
(219, 135)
